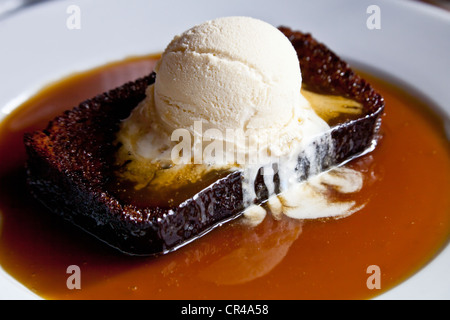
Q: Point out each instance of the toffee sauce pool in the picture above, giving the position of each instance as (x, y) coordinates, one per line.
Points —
(404, 224)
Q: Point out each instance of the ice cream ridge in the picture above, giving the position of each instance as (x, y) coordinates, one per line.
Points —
(227, 96)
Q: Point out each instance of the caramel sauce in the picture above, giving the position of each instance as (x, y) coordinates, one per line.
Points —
(405, 223)
(164, 196)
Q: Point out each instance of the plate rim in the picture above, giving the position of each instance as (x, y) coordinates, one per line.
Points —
(419, 8)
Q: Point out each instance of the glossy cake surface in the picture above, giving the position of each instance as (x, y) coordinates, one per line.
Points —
(70, 162)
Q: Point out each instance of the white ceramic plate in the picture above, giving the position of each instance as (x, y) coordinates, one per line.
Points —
(37, 47)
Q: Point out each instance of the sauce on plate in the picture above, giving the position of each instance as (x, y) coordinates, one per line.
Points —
(405, 221)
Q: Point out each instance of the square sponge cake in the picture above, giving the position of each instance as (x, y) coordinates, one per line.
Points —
(71, 162)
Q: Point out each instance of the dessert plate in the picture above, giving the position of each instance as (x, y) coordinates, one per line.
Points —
(406, 43)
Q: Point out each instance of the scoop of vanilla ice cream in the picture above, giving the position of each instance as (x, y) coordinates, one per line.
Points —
(233, 73)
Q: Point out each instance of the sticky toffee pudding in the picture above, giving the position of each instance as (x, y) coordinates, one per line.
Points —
(352, 206)
(404, 223)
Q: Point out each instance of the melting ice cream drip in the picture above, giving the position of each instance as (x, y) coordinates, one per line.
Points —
(311, 198)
